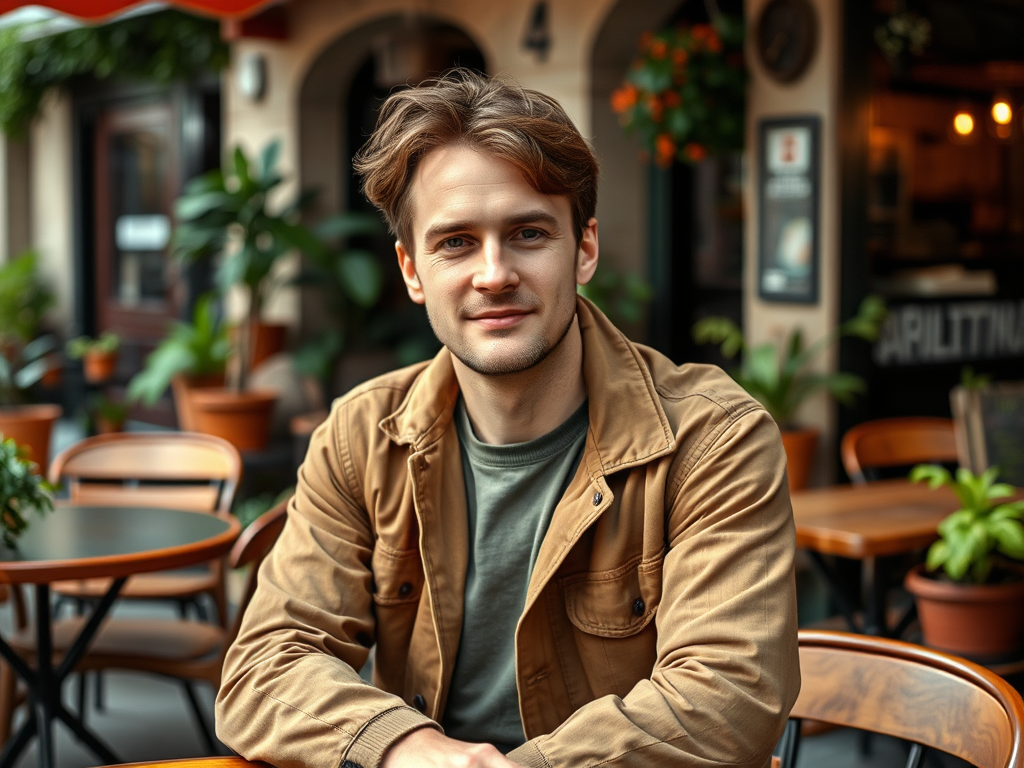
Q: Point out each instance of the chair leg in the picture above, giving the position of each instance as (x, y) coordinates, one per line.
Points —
(791, 742)
(98, 696)
(204, 728)
(8, 688)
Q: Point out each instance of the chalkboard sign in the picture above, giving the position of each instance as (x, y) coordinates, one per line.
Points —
(990, 429)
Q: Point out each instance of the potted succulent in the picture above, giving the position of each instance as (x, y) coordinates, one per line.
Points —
(193, 355)
(98, 356)
(225, 217)
(778, 375)
(970, 589)
(22, 491)
(25, 357)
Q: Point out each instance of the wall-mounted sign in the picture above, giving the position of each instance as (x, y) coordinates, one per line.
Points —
(145, 232)
(788, 210)
(951, 332)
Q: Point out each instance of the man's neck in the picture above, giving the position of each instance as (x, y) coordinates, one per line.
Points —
(519, 407)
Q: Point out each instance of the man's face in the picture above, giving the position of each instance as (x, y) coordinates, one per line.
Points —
(494, 260)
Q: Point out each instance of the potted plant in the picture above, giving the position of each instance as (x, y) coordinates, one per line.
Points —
(778, 375)
(193, 355)
(22, 491)
(106, 414)
(685, 96)
(225, 216)
(970, 589)
(98, 356)
(25, 357)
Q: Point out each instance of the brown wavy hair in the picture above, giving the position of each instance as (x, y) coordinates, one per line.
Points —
(524, 127)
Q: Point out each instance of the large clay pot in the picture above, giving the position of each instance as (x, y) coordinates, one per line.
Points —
(241, 418)
(800, 445)
(31, 426)
(99, 366)
(982, 622)
(267, 340)
(181, 388)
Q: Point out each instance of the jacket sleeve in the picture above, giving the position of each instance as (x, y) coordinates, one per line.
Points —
(290, 692)
(727, 671)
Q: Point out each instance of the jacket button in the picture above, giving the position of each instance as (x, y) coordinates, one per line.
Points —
(598, 498)
(405, 590)
(639, 607)
(364, 639)
(419, 702)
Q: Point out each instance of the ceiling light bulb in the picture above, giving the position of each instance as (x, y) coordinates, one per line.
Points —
(1002, 113)
(963, 123)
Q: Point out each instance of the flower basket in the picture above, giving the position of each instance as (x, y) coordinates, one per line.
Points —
(685, 96)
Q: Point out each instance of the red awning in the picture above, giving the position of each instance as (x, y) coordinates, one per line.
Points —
(98, 10)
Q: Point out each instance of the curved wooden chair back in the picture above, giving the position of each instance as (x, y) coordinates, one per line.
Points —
(929, 698)
(251, 548)
(182, 470)
(197, 762)
(896, 443)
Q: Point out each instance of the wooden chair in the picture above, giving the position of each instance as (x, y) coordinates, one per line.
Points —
(179, 470)
(197, 762)
(896, 443)
(178, 648)
(930, 699)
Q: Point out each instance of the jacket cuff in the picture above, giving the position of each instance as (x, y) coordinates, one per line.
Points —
(368, 747)
(529, 755)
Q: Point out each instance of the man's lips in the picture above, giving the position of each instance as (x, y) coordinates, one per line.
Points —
(499, 318)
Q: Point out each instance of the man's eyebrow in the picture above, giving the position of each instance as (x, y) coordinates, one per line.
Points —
(539, 216)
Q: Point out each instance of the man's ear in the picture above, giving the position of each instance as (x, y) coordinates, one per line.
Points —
(586, 255)
(408, 267)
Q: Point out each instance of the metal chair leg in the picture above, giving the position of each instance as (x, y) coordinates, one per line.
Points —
(204, 727)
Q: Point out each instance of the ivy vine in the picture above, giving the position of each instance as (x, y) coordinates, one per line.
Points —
(161, 47)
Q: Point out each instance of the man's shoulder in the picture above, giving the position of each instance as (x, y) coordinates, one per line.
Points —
(378, 397)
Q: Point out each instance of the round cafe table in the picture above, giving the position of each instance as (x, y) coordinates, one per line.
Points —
(78, 542)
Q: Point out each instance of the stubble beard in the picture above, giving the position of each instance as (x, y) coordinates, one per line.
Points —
(536, 351)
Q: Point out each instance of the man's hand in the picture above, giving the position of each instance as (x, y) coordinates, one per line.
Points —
(429, 748)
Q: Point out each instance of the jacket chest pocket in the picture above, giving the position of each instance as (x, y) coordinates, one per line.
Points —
(397, 576)
(613, 615)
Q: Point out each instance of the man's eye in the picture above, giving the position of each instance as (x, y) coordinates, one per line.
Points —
(531, 234)
(454, 242)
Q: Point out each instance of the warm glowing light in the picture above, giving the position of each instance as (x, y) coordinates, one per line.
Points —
(963, 124)
(1002, 113)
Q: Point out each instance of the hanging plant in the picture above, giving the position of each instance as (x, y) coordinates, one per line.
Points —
(685, 96)
(162, 47)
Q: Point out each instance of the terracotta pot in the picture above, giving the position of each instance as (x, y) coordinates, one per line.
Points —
(99, 366)
(181, 388)
(241, 418)
(55, 373)
(266, 341)
(982, 622)
(800, 445)
(105, 426)
(31, 426)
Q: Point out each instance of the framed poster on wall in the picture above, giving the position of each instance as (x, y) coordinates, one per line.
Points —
(788, 201)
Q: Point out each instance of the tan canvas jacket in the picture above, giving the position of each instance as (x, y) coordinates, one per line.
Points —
(660, 622)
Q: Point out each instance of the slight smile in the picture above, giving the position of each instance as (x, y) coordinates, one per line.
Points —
(497, 319)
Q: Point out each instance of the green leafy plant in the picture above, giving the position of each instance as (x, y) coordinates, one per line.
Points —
(80, 346)
(22, 491)
(985, 526)
(778, 375)
(685, 96)
(620, 295)
(198, 348)
(162, 47)
(24, 299)
(225, 216)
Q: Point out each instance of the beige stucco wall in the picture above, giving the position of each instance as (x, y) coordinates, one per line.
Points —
(50, 203)
(814, 93)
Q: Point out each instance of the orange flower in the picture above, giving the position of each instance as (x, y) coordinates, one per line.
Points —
(714, 42)
(702, 31)
(671, 99)
(665, 150)
(655, 108)
(659, 49)
(624, 98)
(679, 56)
(695, 152)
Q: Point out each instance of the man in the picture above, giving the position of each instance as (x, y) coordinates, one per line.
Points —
(563, 547)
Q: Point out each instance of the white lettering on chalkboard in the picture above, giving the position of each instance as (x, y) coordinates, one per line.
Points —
(951, 332)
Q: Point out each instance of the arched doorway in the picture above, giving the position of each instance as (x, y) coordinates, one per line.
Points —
(339, 99)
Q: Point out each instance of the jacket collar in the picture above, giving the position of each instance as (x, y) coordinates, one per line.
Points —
(628, 426)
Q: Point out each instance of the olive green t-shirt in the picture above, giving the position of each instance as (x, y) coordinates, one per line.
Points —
(511, 494)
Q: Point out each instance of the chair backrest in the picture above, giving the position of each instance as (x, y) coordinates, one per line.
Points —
(250, 549)
(904, 690)
(183, 470)
(896, 443)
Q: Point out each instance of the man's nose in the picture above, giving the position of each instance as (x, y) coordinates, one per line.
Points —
(495, 271)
